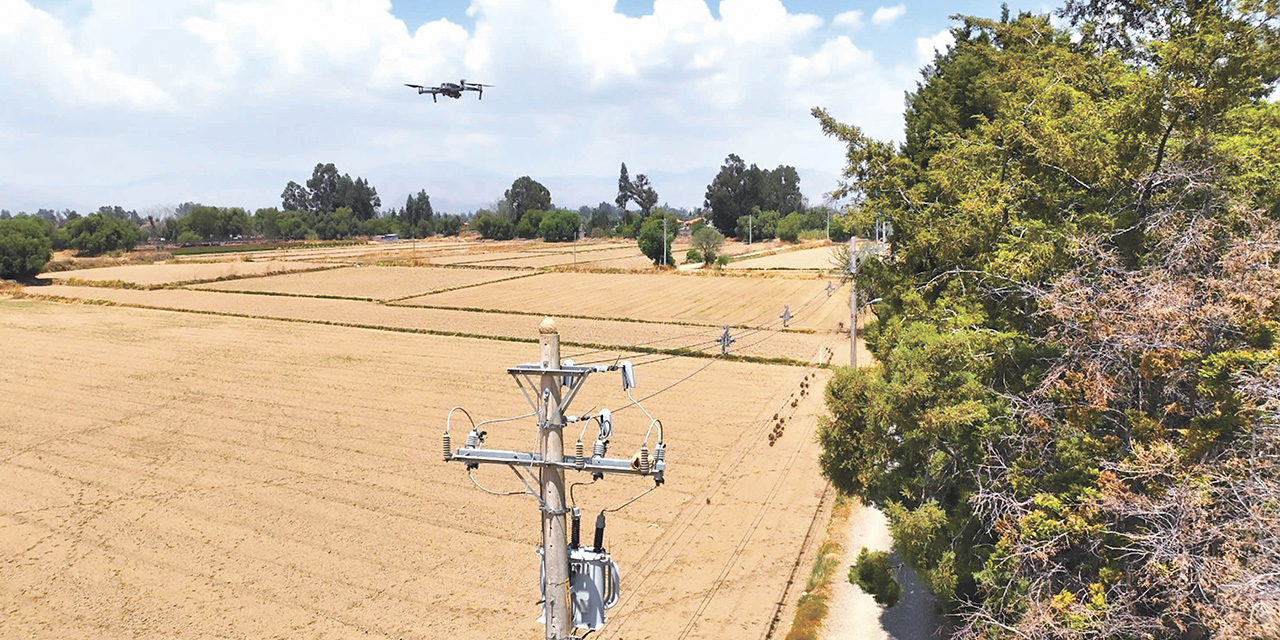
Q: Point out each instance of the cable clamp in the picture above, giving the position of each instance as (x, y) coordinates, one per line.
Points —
(555, 512)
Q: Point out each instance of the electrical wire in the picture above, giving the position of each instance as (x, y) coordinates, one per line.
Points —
(628, 503)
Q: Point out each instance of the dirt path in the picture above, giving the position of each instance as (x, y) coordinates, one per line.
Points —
(853, 615)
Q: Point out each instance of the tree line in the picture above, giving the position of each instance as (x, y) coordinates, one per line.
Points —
(1072, 419)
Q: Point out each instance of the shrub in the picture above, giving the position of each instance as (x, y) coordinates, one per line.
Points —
(873, 573)
(722, 261)
(96, 234)
(493, 227)
(706, 241)
(692, 255)
(188, 237)
(560, 225)
(654, 244)
(24, 248)
(447, 225)
(788, 229)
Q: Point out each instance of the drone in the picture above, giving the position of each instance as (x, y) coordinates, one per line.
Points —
(451, 89)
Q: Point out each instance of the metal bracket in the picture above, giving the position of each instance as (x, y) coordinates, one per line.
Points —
(476, 456)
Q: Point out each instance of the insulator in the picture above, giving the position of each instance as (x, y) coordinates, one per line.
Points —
(598, 450)
(644, 459)
(576, 535)
(473, 439)
(579, 458)
(659, 453)
(448, 453)
(599, 538)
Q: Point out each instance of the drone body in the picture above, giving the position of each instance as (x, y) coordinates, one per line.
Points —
(451, 89)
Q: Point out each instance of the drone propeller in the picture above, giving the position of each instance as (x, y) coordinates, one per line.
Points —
(415, 86)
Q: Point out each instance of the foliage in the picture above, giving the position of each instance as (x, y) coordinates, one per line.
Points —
(527, 194)
(692, 256)
(738, 189)
(327, 191)
(560, 225)
(527, 227)
(788, 228)
(873, 573)
(492, 226)
(706, 242)
(653, 242)
(25, 247)
(416, 209)
(1076, 341)
(96, 234)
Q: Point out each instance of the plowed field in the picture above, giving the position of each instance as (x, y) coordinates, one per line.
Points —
(372, 283)
(154, 274)
(658, 298)
(185, 475)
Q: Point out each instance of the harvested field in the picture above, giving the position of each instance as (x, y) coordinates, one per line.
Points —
(190, 476)
(171, 273)
(535, 259)
(371, 283)
(505, 326)
(815, 258)
(705, 299)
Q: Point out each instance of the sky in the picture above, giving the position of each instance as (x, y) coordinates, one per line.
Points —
(146, 104)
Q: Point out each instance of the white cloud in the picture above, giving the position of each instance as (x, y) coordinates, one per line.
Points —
(938, 42)
(225, 100)
(884, 16)
(850, 20)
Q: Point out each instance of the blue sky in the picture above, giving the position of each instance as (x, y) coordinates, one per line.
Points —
(150, 103)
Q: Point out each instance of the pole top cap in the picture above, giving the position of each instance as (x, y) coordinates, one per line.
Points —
(547, 326)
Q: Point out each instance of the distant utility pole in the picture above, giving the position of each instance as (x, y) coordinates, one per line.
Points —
(579, 583)
(853, 302)
(664, 241)
(750, 220)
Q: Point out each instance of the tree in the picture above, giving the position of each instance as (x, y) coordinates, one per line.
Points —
(560, 225)
(527, 227)
(643, 194)
(727, 196)
(788, 228)
(1072, 358)
(874, 575)
(624, 189)
(493, 227)
(324, 187)
(24, 247)
(527, 194)
(416, 209)
(654, 244)
(96, 234)
(706, 241)
(295, 198)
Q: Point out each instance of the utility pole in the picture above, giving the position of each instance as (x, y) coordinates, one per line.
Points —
(555, 586)
(579, 583)
(750, 220)
(664, 241)
(853, 302)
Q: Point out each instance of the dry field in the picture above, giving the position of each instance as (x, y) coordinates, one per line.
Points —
(370, 283)
(503, 326)
(184, 475)
(815, 258)
(159, 274)
(701, 299)
(210, 461)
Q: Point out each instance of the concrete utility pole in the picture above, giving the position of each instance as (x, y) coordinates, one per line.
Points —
(551, 435)
(664, 241)
(750, 220)
(579, 583)
(853, 302)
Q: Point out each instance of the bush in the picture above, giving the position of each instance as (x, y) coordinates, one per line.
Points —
(188, 237)
(448, 225)
(873, 573)
(96, 234)
(24, 248)
(653, 243)
(493, 227)
(706, 241)
(529, 224)
(692, 256)
(722, 261)
(560, 225)
(599, 232)
(788, 229)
